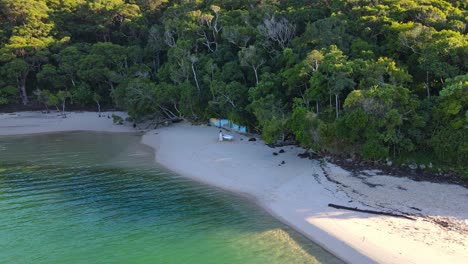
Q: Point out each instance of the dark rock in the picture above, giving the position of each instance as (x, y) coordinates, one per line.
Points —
(283, 162)
(275, 154)
(252, 139)
(134, 125)
(281, 151)
(241, 139)
(443, 223)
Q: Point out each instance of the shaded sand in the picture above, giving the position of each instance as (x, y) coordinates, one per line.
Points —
(37, 122)
(299, 191)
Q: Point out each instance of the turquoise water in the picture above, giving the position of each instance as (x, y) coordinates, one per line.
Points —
(99, 198)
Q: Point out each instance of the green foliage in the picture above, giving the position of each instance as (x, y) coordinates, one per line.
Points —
(301, 125)
(137, 96)
(117, 119)
(379, 120)
(47, 98)
(273, 130)
(450, 140)
(374, 150)
(369, 78)
(82, 94)
(7, 94)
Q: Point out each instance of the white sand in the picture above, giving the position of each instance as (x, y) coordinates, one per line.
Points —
(298, 193)
(37, 122)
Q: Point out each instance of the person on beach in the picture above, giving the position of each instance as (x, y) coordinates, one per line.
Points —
(220, 135)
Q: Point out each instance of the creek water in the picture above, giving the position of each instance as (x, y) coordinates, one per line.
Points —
(83, 197)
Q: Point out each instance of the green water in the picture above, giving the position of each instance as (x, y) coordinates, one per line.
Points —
(99, 198)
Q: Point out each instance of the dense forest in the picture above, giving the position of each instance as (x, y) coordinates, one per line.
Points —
(374, 79)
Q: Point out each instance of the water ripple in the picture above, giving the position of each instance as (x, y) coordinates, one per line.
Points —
(99, 198)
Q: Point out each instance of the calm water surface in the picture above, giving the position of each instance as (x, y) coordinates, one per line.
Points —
(99, 198)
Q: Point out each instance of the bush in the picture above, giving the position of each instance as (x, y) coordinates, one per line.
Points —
(273, 130)
(374, 151)
(117, 119)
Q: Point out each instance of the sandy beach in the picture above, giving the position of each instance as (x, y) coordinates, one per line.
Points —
(37, 122)
(298, 191)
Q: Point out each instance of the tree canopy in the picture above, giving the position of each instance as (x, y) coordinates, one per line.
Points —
(378, 79)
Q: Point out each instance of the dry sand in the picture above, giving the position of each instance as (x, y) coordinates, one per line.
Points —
(37, 122)
(299, 191)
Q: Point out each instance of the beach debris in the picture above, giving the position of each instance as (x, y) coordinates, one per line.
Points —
(308, 154)
(374, 172)
(442, 223)
(275, 154)
(355, 209)
(281, 151)
(422, 166)
(413, 166)
(252, 139)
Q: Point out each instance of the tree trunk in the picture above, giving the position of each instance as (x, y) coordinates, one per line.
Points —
(24, 95)
(22, 88)
(370, 211)
(63, 108)
(196, 79)
(98, 107)
(112, 91)
(337, 106)
(256, 74)
(317, 106)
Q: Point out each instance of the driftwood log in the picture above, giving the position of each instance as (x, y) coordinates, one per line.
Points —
(369, 211)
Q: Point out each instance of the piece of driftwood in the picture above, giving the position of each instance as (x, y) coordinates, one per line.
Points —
(369, 211)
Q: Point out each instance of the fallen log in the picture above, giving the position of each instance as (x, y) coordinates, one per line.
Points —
(369, 211)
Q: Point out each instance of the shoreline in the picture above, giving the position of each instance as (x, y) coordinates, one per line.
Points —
(299, 197)
(351, 256)
(297, 192)
(30, 122)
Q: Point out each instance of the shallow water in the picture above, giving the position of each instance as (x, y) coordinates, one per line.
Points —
(85, 197)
